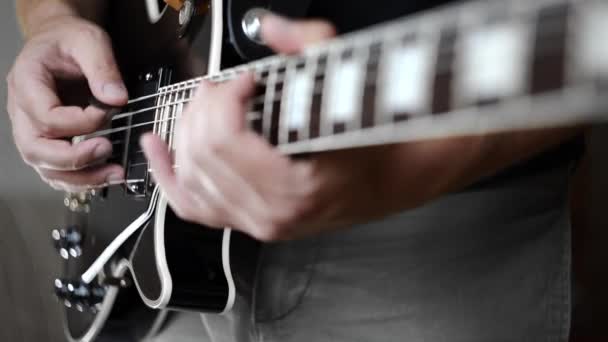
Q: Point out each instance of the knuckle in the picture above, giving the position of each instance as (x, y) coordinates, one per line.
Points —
(269, 233)
(328, 30)
(90, 33)
(185, 212)
(216, 146)
(188, 179)
(28, 156)
(46, 127)
(295, 212)
(216, 143)
(79, 161)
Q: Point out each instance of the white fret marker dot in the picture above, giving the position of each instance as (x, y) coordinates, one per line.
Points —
(298, 100)
(407, 79)
(492, 63)
(345, 90)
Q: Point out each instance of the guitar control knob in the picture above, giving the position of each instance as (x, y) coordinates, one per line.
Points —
(67, 242)
(186, 13)
(252, 24)
(78, 294)
(79, 202)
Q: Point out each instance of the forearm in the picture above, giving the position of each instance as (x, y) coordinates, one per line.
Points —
(456, 163)
(33, 14)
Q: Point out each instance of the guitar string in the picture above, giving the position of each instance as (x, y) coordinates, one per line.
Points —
(249, 116)
(278, 62)
(177, 88)
(280, 67)
(187, 98)
(169, 94)
(226, 75)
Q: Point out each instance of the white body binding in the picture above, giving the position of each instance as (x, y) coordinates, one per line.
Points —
(161, 206)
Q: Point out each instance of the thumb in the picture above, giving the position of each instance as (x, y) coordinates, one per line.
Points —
(291, 36)
(93, 54)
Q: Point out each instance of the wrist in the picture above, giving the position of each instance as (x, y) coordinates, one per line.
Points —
(38, 17)
(33, 19)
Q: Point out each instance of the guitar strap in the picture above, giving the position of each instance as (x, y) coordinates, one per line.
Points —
(236, 10)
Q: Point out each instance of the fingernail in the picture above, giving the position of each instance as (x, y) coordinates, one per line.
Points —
(101, 151)
(279, 22)
(115, 91)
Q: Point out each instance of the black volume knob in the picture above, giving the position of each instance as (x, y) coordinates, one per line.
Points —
(79, 294)
(67, 241)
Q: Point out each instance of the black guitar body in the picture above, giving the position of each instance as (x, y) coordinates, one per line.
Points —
(116, 313)
(168, 263)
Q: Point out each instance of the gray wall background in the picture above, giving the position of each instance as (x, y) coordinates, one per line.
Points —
(29, 209)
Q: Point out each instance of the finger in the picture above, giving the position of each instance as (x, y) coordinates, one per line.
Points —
(216, 114)
(83, 179)
(291, 36)
(241, 87)
(162, 169)
(92, 50)
(239, 90)
(189, 203)
(32, 89)
(61, 155)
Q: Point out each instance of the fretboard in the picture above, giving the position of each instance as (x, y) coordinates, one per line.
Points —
(461, 63)
(473, 68)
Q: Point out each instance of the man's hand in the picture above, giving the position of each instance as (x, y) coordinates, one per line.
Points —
(227, 175)
(64, 48)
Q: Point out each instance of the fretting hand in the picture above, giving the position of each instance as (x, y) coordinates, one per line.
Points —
(64, 48)
(227, 175)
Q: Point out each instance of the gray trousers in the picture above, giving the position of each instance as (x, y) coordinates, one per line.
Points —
(487, 264)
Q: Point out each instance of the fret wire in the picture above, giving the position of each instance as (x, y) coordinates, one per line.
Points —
(283, 134)
(385, 45)
(364, 62)
(164, 116)
(154, 129)
(325, 124)
(172, 113)
(268, 103)
(178, 114)
(161, 110)
(311, 69)
(180, 96)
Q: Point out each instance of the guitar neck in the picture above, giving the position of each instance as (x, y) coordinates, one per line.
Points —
(473, 68)
(492, 63)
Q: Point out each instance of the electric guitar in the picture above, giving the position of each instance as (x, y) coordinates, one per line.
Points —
(466, 69)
